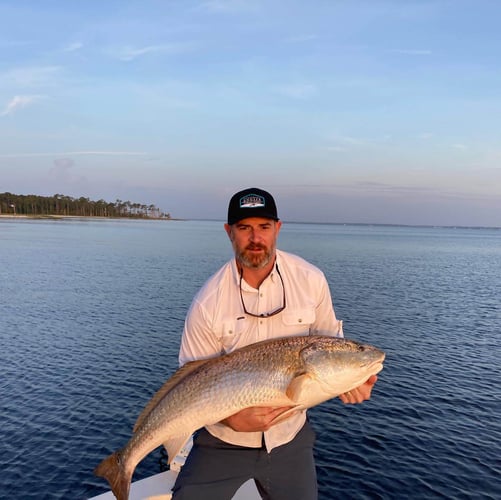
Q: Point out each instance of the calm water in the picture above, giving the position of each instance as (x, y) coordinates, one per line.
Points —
(90, 320)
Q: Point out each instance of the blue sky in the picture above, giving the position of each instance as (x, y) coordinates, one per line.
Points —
(347, 111)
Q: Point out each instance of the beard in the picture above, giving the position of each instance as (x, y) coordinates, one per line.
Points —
(248, 258)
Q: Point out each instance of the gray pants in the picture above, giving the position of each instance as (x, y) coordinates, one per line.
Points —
(215, 470)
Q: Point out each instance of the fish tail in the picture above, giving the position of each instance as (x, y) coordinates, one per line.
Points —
(112, 469)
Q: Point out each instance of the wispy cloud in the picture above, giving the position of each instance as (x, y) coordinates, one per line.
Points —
(129, 53)
(346, 140)
(19, 102)
(72, 47)
(62, 171)
(459, 146)
(62, 166)
(347, 143)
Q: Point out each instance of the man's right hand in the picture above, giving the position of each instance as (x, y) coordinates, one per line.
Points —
(255, 419)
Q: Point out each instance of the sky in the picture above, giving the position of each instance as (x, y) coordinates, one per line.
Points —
(346, 111)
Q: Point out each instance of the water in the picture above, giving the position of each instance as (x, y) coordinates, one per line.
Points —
(90, 319)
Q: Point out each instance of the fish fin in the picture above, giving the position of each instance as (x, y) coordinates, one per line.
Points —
(112, 470)
(179, 375)
(175, 444)
(299, 386)
(286, 414)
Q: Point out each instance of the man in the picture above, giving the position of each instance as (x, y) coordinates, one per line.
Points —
(262, 293)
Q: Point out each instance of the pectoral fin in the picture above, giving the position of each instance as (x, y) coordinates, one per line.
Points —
(297, 393)
(299, 387)
(286, 414)
(175, 445)
(307, 391)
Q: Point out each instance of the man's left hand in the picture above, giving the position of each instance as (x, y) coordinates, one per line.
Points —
(360, 393)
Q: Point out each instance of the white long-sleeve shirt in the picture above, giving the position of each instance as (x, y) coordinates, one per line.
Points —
(216, 324)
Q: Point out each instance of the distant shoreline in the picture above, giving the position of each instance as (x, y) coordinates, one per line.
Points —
(79, 217)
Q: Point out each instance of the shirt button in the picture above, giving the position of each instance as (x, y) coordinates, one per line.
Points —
(300, 320)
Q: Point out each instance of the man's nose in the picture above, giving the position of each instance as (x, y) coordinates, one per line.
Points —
(254, 235)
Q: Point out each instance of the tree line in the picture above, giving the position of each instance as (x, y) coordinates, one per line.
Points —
(59, 204)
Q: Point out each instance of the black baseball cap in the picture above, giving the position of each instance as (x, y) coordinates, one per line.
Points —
(251, 202)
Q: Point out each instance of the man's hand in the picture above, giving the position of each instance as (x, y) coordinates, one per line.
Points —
(255, 419)
(360, 393)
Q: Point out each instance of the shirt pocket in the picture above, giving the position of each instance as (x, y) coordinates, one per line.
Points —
(233, 334)
(298, 321)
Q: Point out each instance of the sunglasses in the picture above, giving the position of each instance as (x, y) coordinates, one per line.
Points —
(267, 314)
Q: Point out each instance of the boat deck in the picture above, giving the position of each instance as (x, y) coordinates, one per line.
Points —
(159, 486)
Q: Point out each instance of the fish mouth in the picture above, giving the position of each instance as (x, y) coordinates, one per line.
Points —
(375, 366)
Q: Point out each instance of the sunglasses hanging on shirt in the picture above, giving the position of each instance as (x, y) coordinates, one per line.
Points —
(267, 314)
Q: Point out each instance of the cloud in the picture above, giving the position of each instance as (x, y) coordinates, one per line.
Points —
(345, 140)
(72, 47)
(129, 53)
(19, 102)
(62, 171)
(63, 164)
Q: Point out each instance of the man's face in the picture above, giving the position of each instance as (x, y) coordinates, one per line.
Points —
(254, 241)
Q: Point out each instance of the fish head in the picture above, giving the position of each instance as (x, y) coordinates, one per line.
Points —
(339, 365)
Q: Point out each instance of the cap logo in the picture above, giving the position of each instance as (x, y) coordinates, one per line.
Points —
(252, 201)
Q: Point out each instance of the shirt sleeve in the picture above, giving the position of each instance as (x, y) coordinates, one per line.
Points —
(198, 340)
(326, 322)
